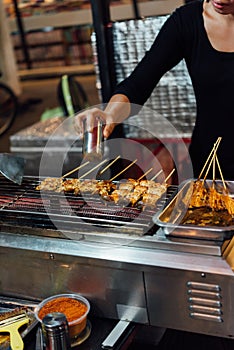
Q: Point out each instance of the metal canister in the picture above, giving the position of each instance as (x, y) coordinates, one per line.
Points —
(55, 332)
(93, 148)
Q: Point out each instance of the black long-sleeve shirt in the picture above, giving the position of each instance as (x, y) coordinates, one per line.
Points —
(212, 73)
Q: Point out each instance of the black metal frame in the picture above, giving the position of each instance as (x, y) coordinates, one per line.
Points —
(103, 29)
(22, 34)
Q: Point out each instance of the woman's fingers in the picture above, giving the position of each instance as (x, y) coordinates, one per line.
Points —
(87, 120)
(108, 129)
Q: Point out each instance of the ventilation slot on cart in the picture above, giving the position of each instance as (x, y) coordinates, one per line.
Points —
(204, 301)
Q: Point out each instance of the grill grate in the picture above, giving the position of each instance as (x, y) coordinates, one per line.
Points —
(23, 205)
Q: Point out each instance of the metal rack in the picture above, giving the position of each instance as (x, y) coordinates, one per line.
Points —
(102, 28)
(99, 10)
(102, 23)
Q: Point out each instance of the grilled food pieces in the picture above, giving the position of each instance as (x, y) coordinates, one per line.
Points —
(51, 184)
(144, 193)
(199, 195)
(71, 185)
(209, 197)
(203, 216)
(228, 203)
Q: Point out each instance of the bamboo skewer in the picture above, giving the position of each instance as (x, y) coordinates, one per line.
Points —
(146, 173)
(215, 147)
(108, 166)
(207, 170)
(221, 174)
(155, 176)
(169, 175)
(72, 171)
(122, 171)
(214, 168)
(212, 154)
(91, 170)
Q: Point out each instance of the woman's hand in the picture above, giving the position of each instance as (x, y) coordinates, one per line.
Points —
(117, 110)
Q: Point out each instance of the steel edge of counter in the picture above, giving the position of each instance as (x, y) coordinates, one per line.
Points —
(118, 255)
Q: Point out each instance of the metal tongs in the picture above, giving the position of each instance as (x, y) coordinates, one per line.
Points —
(12, 167)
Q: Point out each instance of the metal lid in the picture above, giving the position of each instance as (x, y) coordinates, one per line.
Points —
(55, 322)
(55, 331)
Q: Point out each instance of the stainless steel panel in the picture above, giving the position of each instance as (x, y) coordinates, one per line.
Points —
(37, 275)
(121, 281)
(170, 305)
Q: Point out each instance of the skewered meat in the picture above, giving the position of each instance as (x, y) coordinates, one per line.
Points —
(199, 196)
(149, 183)
(105, 188)
(215, 201)
(128, 185)
(119, 195)
(131, 191)
(140, 189)
(150, 200)
(72, 185)
(211, 198)
(228, 203)
(88, 186)
(133, 197)
(51, 184)
(157, 190)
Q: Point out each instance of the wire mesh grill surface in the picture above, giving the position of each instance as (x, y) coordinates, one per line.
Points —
(25, 206)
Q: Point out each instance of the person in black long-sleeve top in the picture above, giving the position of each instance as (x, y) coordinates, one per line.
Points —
(201, 33)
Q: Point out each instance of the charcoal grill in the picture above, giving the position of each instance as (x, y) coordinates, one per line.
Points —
(116, 257)
(27, 206)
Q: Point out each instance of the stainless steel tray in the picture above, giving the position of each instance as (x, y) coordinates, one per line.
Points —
(171, 216)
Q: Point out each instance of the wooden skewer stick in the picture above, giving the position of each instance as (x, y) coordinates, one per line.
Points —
(114, 177)
(169, 175)
(108, 166)
(72, 171)
(216, 144)
(91, 170)
(146, 173)
(214, 169)
(155, 176)
(207, 170)
(221, 174)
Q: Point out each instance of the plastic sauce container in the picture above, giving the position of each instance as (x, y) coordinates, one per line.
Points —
(74, 306)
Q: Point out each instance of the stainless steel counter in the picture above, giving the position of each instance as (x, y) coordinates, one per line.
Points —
(121, 262)
(159, 287)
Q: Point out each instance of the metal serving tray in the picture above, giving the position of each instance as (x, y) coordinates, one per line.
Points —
(171, 216)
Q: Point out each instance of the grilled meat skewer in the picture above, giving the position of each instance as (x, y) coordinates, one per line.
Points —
(129, 192)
